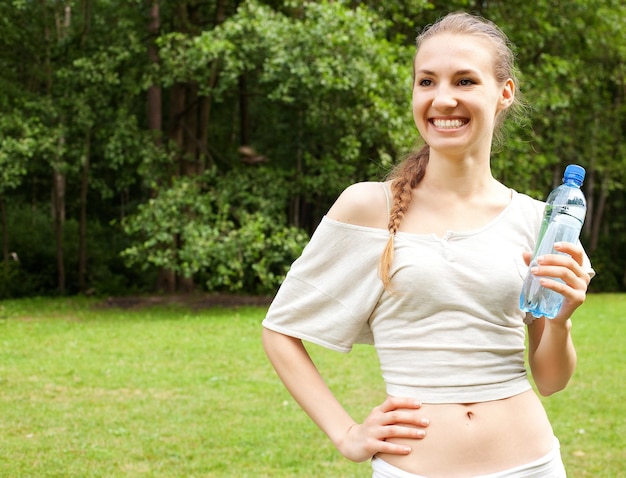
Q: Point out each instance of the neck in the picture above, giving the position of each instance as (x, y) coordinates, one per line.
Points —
(463, 175)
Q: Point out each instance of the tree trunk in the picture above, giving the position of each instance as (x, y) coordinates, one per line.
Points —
(598, 214)
(58, 204)
(220, 12)
(189, 165)
(204, 109)
(296, 202)
(244, 117)
(189, 159)
(188, 126)
(176, 118)
(166, 280)
(590, 195)
(591, 179)
(82, 239)
(155, 114)
(62, 22)
(204, 116)
(5, 232)
(204, 119)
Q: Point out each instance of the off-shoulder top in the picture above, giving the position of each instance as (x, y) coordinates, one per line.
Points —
(449, 331)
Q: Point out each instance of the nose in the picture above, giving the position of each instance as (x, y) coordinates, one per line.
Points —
(444, 98)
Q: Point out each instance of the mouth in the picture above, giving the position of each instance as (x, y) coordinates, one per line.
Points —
(448, 123)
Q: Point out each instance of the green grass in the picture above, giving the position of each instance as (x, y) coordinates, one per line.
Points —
(169, 392)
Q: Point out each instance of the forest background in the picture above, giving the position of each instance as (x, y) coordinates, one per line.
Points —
(182, 145)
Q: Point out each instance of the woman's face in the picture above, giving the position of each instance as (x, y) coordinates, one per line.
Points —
(456, 97)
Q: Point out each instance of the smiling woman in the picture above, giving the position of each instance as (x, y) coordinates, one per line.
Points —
(439, 253)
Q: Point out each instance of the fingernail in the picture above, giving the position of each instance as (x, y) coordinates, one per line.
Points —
(534, 270)
(421, 433)
(540, 259)
(425, 421)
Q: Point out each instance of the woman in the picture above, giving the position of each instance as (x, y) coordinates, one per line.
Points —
(428, 267)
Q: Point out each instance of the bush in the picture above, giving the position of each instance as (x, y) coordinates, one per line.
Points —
(211, 228)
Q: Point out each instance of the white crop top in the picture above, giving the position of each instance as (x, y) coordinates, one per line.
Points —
(451, 331)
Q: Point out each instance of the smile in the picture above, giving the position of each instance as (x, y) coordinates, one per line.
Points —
(448, 123)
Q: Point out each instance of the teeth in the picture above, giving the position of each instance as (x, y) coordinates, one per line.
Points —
(448, 124)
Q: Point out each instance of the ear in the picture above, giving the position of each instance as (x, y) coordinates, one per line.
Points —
(508, 94)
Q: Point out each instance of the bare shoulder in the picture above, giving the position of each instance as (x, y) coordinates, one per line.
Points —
(362, 204)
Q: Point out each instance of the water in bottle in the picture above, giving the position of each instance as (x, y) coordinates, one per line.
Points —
(562, 221)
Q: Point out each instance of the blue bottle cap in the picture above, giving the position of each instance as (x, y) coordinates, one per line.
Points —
(575, 173)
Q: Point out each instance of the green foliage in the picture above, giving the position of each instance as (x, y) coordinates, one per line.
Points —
(16, 147)
(321, 90)
(233, 238)
(252, 257)
(572, 57)
(129, 156)
(338, 91)
(572, 72)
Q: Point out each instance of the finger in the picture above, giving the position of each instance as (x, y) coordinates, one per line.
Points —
(403, 417)
(577, 254)
(564, 268)
(392, 448)
(393, 403)
(399, 431)
(574, 250)
(558, 272)
(559, 260)
(572, 294)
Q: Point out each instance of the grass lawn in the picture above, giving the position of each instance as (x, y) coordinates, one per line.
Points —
(170, 392)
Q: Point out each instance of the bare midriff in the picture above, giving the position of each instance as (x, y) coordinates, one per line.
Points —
(465, 440)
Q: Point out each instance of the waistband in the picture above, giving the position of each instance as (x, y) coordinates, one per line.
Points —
(548, 466)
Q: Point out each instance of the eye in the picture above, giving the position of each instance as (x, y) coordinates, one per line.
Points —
(466, 82)
(425, 82)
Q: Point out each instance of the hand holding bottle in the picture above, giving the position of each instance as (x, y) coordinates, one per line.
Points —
(563, 274)
(563, 218)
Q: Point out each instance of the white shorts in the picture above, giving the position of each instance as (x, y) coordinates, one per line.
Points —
(548, 466)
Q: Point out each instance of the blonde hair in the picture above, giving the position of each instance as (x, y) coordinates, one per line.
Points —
(406, 175)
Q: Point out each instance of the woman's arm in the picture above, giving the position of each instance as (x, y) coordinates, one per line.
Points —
(357, 442)
(552, 355)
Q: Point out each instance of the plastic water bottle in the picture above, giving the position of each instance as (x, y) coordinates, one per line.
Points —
(563, 219)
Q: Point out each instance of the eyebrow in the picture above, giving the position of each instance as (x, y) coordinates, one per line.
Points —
(457, 73)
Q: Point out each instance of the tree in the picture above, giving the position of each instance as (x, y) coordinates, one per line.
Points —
(572, 57)
(143, 127)
(332, 84)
